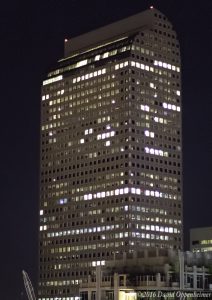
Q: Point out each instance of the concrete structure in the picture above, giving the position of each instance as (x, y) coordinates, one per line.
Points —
(151, 274)
(201, 239)
(111, 159)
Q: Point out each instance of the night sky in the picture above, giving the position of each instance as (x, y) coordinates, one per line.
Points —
(32, 34)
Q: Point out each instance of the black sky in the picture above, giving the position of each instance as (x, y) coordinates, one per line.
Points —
(32, 36)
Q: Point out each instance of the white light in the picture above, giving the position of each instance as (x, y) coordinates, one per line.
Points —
(152, 151)
(146, 149)
(121, 191)
(146, 132)
(147, 193)
(156, 151)
(51, 80)
(160, 152)
(106, 54)
(89, 75)
(97, 57)
(166, 66)
(145, 107)
(88, 131)
(126, 190)
(138, 191)
(171, 106)
(81, 63)
(157, 194)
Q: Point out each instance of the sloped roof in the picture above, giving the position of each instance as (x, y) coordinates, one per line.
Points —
(112, 31)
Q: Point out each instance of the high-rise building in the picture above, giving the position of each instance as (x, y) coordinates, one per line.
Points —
(111, 156)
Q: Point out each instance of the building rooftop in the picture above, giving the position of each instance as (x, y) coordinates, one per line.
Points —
(113, 31)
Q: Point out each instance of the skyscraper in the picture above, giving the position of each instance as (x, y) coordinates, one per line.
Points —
(111, 156)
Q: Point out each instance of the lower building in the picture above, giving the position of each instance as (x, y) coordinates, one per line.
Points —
(151, 274)
(201, 239)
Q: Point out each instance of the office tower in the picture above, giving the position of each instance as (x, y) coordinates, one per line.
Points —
(111, 163)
